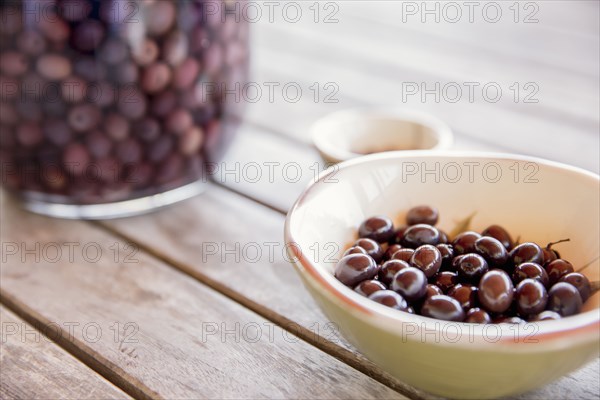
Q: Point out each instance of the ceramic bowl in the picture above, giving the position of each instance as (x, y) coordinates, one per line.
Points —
(534, 199)
(352, 133)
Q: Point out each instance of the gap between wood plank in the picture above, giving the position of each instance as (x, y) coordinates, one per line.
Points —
(283, 322)
(115, 375)
(249, 197)
(31, 365)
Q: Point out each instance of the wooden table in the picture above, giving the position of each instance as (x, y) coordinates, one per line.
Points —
(178, 304)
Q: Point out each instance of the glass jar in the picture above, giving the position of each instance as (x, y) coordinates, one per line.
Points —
(115, 107)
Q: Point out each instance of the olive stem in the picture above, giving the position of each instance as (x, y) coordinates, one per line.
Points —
(560, 241)
(595, 286)
(588, 264)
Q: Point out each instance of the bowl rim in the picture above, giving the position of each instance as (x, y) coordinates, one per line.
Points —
(320, 130)
(581, 327)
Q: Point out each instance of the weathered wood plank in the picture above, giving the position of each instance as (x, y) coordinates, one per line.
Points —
(291, 119)
(283, 168)
(560, 34)
(33, 367)
(269, 168)
(183, 340)
(235, 246)
(295, 119)
(313, 56)
(581, 384)
(409, 56)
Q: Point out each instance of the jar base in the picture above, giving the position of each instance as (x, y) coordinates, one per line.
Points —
(119, 209)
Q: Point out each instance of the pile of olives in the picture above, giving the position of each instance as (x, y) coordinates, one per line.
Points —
(473, 277)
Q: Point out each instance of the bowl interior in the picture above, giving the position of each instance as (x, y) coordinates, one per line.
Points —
(349, 134)
(535, 200)
(378, 134)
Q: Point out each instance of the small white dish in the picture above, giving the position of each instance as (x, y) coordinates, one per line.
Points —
(352, 133)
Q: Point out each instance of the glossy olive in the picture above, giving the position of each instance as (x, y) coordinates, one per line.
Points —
(420, 234)
(379, 228)
(464, 242)
(354, 268)
(354, 250)
(443, 307)
(443, 237)
(367, 288)
(526, 252)
(466, 295)
(422, 215)
(428, 259)
(581, 283)
(445, 280)
(557, 269)
(477, 316)
(471, 267)
(403, 254)
(400, 233)
(545, 316)
(531, 297)
(372, 248)
(509, 320)
(389, 269)
(564, 299)
(530, 271)
(492, 250)
(411, 283)
(432, 290)
(447, 253)
(389, 252)
(500, 234)
(455, 262)
(495, 291)
(550, 255)
(390, 299)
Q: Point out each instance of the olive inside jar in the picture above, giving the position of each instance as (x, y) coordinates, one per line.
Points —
(111, 108)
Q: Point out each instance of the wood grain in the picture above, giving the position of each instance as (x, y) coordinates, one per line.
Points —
(294, 120)
(347, 57)
(240, 253)
(557, 34)
(183, 340)
(33, 367)
(347, 52)
(393, 50)
(368, 54)
(581, 384)
(284, 169)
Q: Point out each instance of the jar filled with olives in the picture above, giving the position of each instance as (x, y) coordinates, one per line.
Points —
(115, 107)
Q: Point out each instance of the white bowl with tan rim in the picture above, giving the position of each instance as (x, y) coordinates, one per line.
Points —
(538, 200)
(357, 132)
